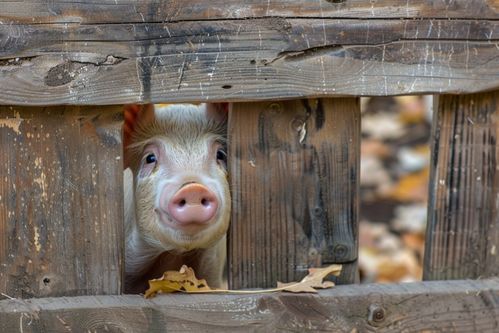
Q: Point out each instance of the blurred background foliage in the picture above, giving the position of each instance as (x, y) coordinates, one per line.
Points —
(395, 157)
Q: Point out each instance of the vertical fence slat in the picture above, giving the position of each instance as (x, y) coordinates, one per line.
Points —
(462, 238)
(294, 169)
(61, 201)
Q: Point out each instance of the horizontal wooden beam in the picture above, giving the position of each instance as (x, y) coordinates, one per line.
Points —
(110, 52)
(253, 59)
(457, 306)
(112, 11)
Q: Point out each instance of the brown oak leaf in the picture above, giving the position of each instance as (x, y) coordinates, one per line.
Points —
(184, 280)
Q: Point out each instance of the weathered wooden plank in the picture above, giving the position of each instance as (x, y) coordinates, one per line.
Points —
(233, 60)
(290, 34)
(452, 306)
(294, 181)
(463, 229)
(61, 201)
(111, 11)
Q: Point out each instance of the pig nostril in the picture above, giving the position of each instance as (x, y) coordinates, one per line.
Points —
(205, 202)
(182, 203)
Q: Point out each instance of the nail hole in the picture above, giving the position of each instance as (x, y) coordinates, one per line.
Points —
(46, 281)
(227, 86)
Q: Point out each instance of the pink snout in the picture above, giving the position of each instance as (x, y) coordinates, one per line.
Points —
(193, 203)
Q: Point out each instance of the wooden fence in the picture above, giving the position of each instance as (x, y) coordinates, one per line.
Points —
(294, 71)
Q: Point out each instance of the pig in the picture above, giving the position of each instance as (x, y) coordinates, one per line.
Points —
(177, 199)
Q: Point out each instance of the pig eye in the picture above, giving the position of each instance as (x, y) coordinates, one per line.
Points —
(221, 155)
(151, 158)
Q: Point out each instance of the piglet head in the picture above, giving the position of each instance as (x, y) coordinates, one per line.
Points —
(177, 155)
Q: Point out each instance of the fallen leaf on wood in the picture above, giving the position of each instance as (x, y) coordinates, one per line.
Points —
(313, 281)
(186, 281)
(172, 281)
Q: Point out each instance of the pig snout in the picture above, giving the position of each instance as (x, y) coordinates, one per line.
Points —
(192, 203)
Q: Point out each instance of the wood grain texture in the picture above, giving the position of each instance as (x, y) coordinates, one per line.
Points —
(463, 231)
(61, 201)
(451, 306)
(111, 11)
(234, 59)
(294, 183)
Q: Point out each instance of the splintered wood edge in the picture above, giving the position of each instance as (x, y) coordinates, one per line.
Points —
(416, 306)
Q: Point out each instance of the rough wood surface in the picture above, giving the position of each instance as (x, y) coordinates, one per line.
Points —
(294, 170)
(61, 201)
(453, 306)
(106, 53)
(112, 11)
(463, 230)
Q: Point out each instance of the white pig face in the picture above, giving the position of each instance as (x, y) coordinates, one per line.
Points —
(181, 194)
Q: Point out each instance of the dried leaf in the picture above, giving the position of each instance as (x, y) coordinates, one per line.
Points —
(313, 281)
(184, 280)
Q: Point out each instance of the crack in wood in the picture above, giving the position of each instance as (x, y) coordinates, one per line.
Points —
(305, 53)
(67, 71)
(15, 61)
(318, 51)
(109, 61)
(251, 18)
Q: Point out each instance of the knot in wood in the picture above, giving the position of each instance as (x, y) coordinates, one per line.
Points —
(340, 251)
(376, 315)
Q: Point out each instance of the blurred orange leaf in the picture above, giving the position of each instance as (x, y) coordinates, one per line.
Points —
(413, 187)
(412, 109)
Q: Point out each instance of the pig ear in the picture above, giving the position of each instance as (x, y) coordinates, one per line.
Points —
(133, 114)
(218, 111)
